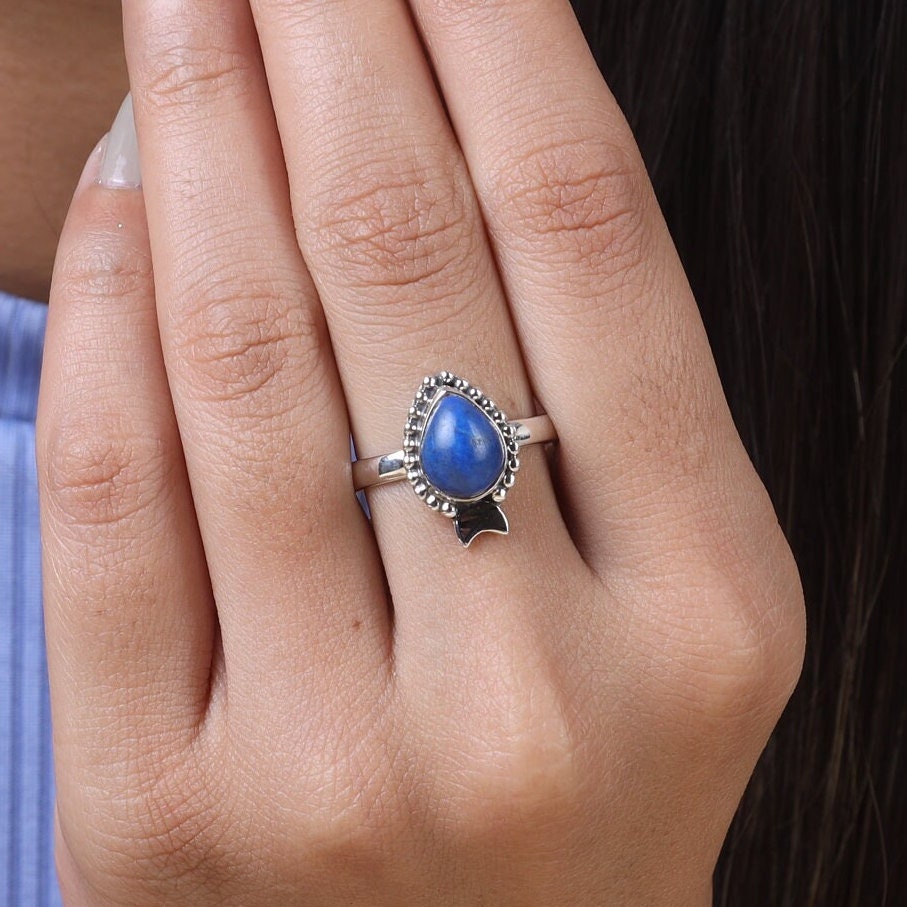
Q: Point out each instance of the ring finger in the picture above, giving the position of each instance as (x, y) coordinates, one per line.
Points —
(390, 227)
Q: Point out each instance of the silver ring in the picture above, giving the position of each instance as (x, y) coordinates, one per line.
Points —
(460, 454)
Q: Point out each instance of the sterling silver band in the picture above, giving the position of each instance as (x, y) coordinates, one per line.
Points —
(391, 468)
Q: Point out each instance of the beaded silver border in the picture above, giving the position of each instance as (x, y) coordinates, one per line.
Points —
(432, 389)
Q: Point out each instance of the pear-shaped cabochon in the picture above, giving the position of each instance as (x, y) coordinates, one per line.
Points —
(462, 450)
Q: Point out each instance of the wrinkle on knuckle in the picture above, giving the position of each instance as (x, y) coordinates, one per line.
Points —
(102, 471)
(181, 69)
(239, 341)
(459, 304)
(402, 228)
(102, 268)
(570, 202)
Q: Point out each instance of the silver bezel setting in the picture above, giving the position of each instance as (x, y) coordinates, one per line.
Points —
(432, 389)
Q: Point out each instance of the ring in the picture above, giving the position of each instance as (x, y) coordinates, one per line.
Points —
(460, 454)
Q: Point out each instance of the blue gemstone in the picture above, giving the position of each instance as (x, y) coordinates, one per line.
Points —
(462, 451)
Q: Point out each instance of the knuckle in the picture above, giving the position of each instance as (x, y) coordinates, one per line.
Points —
(740, 658)
(102, 267)
(100, 470)
(172, 828)
(346, 836)
(522, 766)
(181, 67)
(344, 815)
(774, 614)
(570, 201)
(238, 342)
(400, 228)
(164, 830)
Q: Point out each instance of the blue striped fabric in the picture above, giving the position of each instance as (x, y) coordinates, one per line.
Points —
(27, 875)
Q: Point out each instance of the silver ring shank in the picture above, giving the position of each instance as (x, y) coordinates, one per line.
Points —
(390, 467)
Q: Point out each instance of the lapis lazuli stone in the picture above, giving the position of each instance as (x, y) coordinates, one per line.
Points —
(462, 451)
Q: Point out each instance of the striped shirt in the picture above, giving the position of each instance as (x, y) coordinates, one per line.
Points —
(27, 874)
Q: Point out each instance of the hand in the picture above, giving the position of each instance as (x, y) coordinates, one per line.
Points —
(260, 697)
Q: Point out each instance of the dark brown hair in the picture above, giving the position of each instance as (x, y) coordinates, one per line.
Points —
(775, 132)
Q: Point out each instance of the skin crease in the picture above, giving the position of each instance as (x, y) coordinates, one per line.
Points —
(62, 77)
(571, 715)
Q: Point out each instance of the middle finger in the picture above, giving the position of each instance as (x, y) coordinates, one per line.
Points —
(390, 228)
(255, 391)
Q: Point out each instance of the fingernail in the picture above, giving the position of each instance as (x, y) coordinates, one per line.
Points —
(91, 172)
(120, 168)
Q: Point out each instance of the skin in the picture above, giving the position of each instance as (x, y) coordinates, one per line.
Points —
(261, 698)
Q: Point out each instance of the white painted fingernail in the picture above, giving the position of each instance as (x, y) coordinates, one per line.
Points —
(120, 168)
